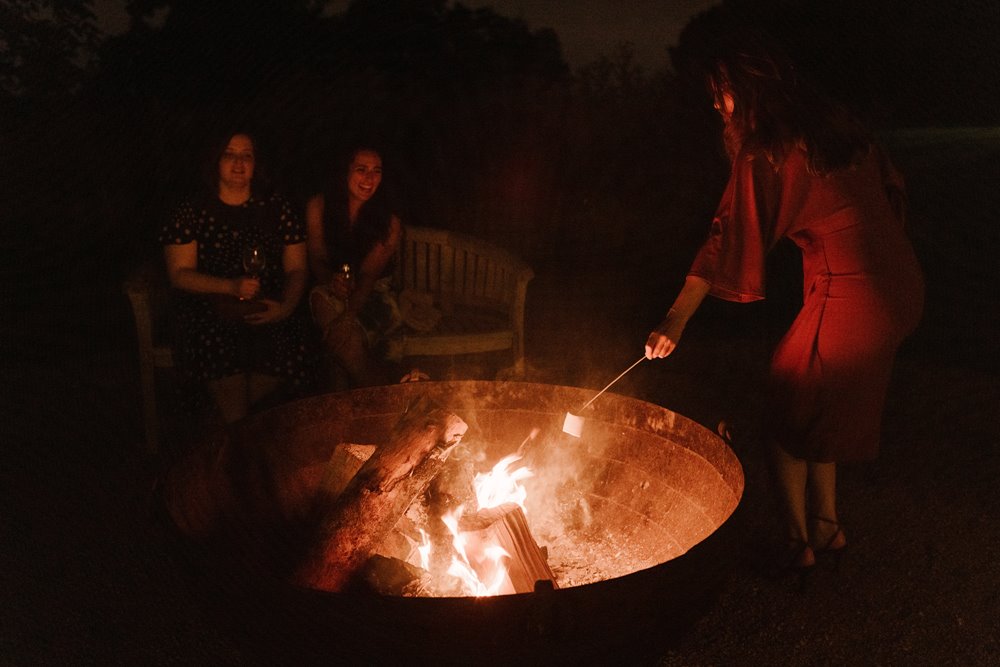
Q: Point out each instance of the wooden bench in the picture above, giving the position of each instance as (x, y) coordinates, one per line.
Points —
(148, 291)
(479, 288)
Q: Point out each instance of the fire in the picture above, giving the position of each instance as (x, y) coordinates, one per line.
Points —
(425, 550)
(502, 485)
(474, 560)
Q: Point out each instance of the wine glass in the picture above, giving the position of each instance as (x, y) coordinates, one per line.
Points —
(253, 260)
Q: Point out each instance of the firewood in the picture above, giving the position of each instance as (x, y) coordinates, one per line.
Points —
(391, 576)
(528, 562)
(225, 482)
(484, 518)
(452, 487)
(352, 526)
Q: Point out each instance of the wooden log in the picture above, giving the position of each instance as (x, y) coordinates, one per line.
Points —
(392, 576)
(347, 459)
(527, 564)
(225, 482)
(351, 527)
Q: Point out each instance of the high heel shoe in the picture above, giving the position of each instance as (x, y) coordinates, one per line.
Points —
(835, 545)
(798, 556)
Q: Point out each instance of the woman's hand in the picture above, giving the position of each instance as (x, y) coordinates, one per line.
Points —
(274, 312)
(664, 338)
(245, 287)
(341, 286)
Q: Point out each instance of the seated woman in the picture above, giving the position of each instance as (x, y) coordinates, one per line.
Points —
(353, 241)
(237, 256)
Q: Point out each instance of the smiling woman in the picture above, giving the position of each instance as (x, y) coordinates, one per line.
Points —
(237, 257)
(353, 240)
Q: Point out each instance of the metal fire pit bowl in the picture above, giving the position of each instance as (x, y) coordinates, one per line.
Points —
(651, 490)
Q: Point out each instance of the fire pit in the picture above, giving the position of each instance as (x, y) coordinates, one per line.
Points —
(632, 514)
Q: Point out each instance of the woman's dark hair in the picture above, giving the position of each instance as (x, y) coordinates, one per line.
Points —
(375, 214)
(260, 183)
(775, 106)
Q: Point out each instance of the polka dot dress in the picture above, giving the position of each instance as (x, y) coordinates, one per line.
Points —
(210, 347)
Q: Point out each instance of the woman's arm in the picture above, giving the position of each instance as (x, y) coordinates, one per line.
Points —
(374, 264)
(664, 338)
(319, 262)
(296, 265)
(182, 269)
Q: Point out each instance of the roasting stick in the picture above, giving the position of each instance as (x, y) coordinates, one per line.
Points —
(573, 424)
(531, 436)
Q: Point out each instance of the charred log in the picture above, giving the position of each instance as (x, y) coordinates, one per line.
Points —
(351, 526)
(392, 576)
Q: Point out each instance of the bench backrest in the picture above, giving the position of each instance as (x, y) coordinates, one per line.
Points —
(462, 270)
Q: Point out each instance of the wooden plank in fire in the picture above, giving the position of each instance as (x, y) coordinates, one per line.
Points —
(507, 526)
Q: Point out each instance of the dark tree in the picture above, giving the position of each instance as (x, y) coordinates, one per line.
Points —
(46, 48)
(454, 92)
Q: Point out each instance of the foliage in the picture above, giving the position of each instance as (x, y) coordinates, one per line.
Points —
(45, 51)
(485, 128)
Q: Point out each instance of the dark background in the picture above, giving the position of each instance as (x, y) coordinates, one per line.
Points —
(488, 128)
(602, 176)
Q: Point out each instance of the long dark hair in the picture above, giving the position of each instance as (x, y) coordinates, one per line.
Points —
(776, 106)
(260, 184)
(374, 215)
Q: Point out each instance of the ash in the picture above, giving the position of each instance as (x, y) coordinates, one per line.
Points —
(579, 551)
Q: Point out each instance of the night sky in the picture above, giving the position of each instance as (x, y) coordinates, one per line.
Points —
(587, 29)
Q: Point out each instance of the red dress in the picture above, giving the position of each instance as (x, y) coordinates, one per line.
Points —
(863, 293)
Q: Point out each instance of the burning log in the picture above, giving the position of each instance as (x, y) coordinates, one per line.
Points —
(392, 576)
(449, 490)
(483, 532)
(507, 527)
(353, 525)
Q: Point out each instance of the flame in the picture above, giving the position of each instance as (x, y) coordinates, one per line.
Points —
(488, 560)
(502, 485)
(461, 566)
(473, 559)
(424, 549)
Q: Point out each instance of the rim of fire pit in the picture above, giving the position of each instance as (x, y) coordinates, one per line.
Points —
(374, 409)
(630, 618)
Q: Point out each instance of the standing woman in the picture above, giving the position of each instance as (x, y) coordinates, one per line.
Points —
(804, 168)
(351, 225)
(237, 256)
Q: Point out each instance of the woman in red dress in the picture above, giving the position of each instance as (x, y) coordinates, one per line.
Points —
(805, 169)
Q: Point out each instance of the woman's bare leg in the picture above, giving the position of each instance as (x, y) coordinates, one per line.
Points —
(792, 475)
(345, 340)
(259, 386)
(230, 396)
(824, 534)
